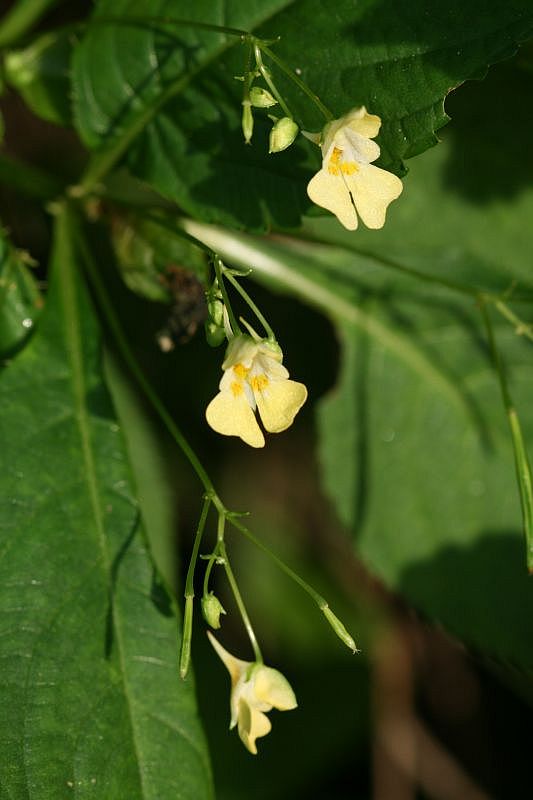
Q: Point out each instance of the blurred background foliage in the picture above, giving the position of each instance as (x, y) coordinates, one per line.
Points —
(394, 492)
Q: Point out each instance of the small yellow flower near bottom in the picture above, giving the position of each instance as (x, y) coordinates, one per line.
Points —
(255, 690)
(254, 378)
(348, 184)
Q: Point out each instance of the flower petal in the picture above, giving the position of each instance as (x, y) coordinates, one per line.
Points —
(331, 192)
(252, 725)
(235, 666)
(241, 349)
(360, 121)
(271, 687)
(279, 402)
(358, 148)
(232, 415)
(372, 190)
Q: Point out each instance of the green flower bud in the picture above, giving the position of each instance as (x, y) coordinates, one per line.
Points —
(339, 628)
(215, 309)
(247, 121)
(215, 334)
(261, 98)
(212, 609)
(282, 134)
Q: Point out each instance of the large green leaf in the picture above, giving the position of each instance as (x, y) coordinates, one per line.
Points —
(178, 96)
(92, 704)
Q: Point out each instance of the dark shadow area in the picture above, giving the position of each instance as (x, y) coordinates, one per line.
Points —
(115, 566)
(491, 157)
(482, 593)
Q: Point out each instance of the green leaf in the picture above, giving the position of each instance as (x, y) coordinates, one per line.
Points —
(150, 255)
(91, 698)
(179, 101)
(20, 300)
(419, 464)
(40, 72)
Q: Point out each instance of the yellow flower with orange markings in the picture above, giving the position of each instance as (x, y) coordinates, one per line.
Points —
(254, 379)
(255, 690)
(348, 184)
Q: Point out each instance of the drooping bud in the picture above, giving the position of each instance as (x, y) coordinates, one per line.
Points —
(214, 324)
(247, 121)
(282, 135)
(261, 98)
(212, 609)
(339, 628)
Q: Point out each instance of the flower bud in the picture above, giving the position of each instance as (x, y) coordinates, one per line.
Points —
(282, 134)
(261, 98)
(215, 309)
(212, 609)
(339, 628)
(247, 121)
(214, 334)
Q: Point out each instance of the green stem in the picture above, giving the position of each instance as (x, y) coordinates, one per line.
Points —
(244, 294)
(268, 80)
(127, 354)
(177, 21)
(219, 270)
(189, 587)
(185, 656)
(521, 328)
(523, 469)
(236, 593)
(319, 600)
(23, 15)
(298, 81)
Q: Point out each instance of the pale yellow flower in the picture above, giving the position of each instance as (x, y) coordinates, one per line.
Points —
(348, 183)
(254, 378)
(255, 690)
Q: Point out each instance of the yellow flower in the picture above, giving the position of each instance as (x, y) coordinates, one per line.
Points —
(254, 377)
(348, 183)
(255, 689)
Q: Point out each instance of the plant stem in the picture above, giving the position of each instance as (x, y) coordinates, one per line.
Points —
(521, 328)
(144, 21)
(319, 600)
(220, 272)
(129, 358)
(268, 80)
(189, 587)
(244, 294)
(298, 81)
(236, 593)
(185, 656)
(523, 469)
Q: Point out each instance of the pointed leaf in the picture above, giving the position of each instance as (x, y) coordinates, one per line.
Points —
(91, 699)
